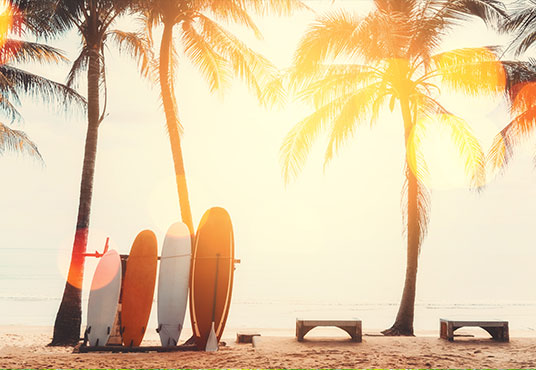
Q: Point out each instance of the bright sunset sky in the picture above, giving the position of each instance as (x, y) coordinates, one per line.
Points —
(319, 235)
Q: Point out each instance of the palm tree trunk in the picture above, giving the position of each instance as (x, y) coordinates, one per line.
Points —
(69, 316)
(403, 324)
(172, 122)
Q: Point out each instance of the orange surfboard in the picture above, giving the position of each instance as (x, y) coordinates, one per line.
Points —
(138, 288)
(212, 270)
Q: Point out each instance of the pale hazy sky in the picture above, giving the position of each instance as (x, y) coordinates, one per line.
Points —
(333, 235)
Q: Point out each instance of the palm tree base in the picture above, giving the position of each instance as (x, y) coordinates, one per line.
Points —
(63, 343)
(398, 331)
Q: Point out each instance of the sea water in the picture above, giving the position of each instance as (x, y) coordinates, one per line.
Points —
(31, 286)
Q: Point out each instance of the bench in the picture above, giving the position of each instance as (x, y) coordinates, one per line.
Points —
(497, 329)
(246, 337)
(352, 327)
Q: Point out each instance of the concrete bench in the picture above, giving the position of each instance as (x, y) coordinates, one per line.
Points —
(246, 337)
(497, 329)
(352, 327)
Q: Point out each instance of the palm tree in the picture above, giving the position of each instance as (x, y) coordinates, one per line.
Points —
(15, 82)
(521, 84)
(214, 50)
(93, 20)
(349, 68)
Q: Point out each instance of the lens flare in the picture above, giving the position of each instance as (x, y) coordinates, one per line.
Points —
(106, 271)
(96, 242)
(6, 21)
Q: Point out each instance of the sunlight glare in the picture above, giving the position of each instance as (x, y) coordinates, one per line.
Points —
(63, 257)
(6, 21)
(434, 157)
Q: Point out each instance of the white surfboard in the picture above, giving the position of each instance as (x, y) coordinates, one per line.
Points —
(103, 299)
(173, 282)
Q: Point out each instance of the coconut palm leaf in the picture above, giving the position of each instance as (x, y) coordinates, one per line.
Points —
(334, 81)
(17, 141)
(252, 68)
(212, 65)
(521, 25)
(471, 70)
(137, 46)
(331, 36)
(19, 51)
(9, 110)
(41, 88)
(421, 218)
(276, 7)
(354, 111)
(298, 142)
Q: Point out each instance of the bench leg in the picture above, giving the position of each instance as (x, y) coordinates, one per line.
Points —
(446, 331)
(299, 334)
(353, 331)
(301, 330)
(499, 334)
(450, 332)
(443, 330)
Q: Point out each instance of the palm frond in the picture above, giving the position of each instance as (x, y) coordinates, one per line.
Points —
(493, 12)
(416, 223)
(17, 141)
(518, 75)
(521, 25)
(333, 81)
(517, 131)
(355, 111)
(212, 65)
(329, 36)
(276, 7)
(79, 66)
(254, 69)
(136, 45)
(19, 51)
(231, 11)
(471, 70)
(38, 87)
(469, 148)
(9, 110)
(298, 142)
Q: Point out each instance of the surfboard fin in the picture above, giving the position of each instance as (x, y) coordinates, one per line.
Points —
(212, 341)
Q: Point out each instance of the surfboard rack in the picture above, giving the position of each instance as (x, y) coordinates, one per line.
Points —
(124, 349)
(97, 254)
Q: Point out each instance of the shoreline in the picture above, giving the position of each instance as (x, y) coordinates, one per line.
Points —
(25, 347)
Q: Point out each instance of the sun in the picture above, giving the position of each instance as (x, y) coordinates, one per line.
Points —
(6, 21)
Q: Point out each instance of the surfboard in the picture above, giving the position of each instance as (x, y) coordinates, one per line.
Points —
(103, 298)
(173, 282)
(138, 288)
(212, 270)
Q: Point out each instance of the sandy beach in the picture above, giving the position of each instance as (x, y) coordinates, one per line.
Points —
(25, 347)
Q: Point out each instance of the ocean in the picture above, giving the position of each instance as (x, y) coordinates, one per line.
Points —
(31, 286)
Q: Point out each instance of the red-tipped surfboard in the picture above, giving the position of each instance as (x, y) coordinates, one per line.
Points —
(138, 288)
(103, 299)
(211, 281)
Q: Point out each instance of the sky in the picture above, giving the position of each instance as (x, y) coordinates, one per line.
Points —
(329, 235)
